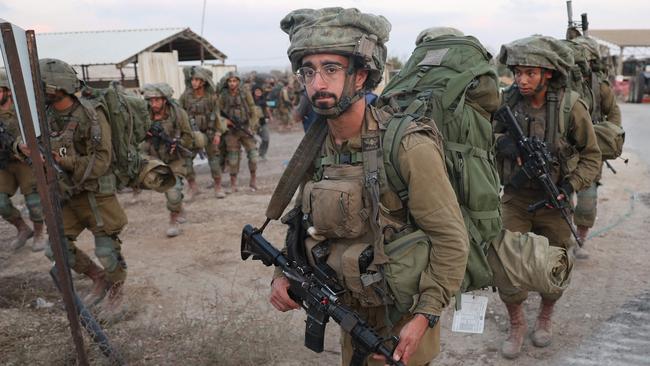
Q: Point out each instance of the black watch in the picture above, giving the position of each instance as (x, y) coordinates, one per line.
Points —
(433, 319)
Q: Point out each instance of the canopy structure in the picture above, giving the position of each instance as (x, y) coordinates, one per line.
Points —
(624, 39)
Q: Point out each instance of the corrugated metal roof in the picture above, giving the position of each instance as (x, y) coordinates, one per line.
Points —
(623, 37)
(122, 46)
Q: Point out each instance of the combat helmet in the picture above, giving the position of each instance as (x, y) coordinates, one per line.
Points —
(157, 90)
(432, 33)
(591, 47)
(348, 32)
(4, 81)
(539, 51)
(199, 72)
(58, 75)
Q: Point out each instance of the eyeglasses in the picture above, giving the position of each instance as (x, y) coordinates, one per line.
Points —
(328, 72)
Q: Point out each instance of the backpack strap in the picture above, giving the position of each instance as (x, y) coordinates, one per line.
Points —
(553, 124)
(597, 114)
(395, 130)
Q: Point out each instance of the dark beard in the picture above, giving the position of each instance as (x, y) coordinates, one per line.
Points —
(322, 94)
(53, 98)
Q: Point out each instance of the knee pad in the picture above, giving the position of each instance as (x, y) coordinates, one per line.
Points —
(6, 208)
(174, 196)
(71, 249)
(215, 166)
(106, 253)
(252, 155)
(33, 202)
(233, 157)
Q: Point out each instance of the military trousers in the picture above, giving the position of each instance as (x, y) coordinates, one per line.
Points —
(428, 348)
(19, 175)
(235, 139)
(214, 159)
(545, 221)
(103, 216)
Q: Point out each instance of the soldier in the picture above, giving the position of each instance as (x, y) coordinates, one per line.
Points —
(547, 110)
(279, 96)
(80, 137)
(202, 106)
(338, 54)
(239, 108)
(169, 139)
(263, 118)
(604, 107)
(14, 173)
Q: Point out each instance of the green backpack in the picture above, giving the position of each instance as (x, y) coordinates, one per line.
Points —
(450, 79)
(129, 119)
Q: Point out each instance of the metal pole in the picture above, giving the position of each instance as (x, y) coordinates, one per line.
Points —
(49, 200)
(203, 18)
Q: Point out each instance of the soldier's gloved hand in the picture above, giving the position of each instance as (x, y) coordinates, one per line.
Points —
(566, 190)
(507, 148)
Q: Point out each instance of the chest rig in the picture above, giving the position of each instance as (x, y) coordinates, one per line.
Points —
(236, 106)
(200, 110)
(341, 210)
(549, 125)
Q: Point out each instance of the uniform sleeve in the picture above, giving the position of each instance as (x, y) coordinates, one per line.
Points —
(582, 135)
(608, 105)
(101, 150)
(186, 130)
(433, 205)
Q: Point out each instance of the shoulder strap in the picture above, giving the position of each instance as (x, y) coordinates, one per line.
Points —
(393, 135)
(595, 89)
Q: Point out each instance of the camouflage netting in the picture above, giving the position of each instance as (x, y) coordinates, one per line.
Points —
(538, 51)
(199, 73)
(59, 74)
(435, 32)
(338, 31)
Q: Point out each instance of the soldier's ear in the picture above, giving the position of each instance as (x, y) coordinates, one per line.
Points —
(548, 74)
(360, 78)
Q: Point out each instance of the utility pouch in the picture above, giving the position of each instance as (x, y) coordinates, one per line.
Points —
(408, 258)
(340, 211)
(365, 284)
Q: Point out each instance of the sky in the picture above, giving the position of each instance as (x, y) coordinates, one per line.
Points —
(248, 31)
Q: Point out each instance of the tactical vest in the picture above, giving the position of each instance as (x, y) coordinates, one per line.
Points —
(10, 123)
(62, 141)
(170, 125)
(201, 109)
(235, 106)
(358, 226)
(558, 114)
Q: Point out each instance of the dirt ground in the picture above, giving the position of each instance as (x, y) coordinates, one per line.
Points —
(192, 299)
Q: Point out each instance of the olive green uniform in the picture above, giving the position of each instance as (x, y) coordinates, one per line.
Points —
(177, 126)
(242, 107)
(81, 135)
(586, 207)
(434, 209)
(17, 174)
(578, 162)
(204, 110)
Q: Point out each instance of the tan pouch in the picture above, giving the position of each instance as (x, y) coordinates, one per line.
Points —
(367, 287)
(336, 203)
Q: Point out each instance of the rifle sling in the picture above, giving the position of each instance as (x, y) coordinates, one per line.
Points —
(299, 165)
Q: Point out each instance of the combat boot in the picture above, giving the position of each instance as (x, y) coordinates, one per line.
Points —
(100, 285)
(218, 191)
(253, 182)
(40, 239)
(578, 251)
(542, 334)
(511, 347)
(24, 233)
(174, 226)
(114, 308)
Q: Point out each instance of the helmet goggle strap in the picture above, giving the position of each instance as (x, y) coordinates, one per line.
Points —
(348, 95)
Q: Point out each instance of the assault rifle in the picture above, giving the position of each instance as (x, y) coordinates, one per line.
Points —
(318, 292)
(158, 134)
(237, 124)
(535, 165)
